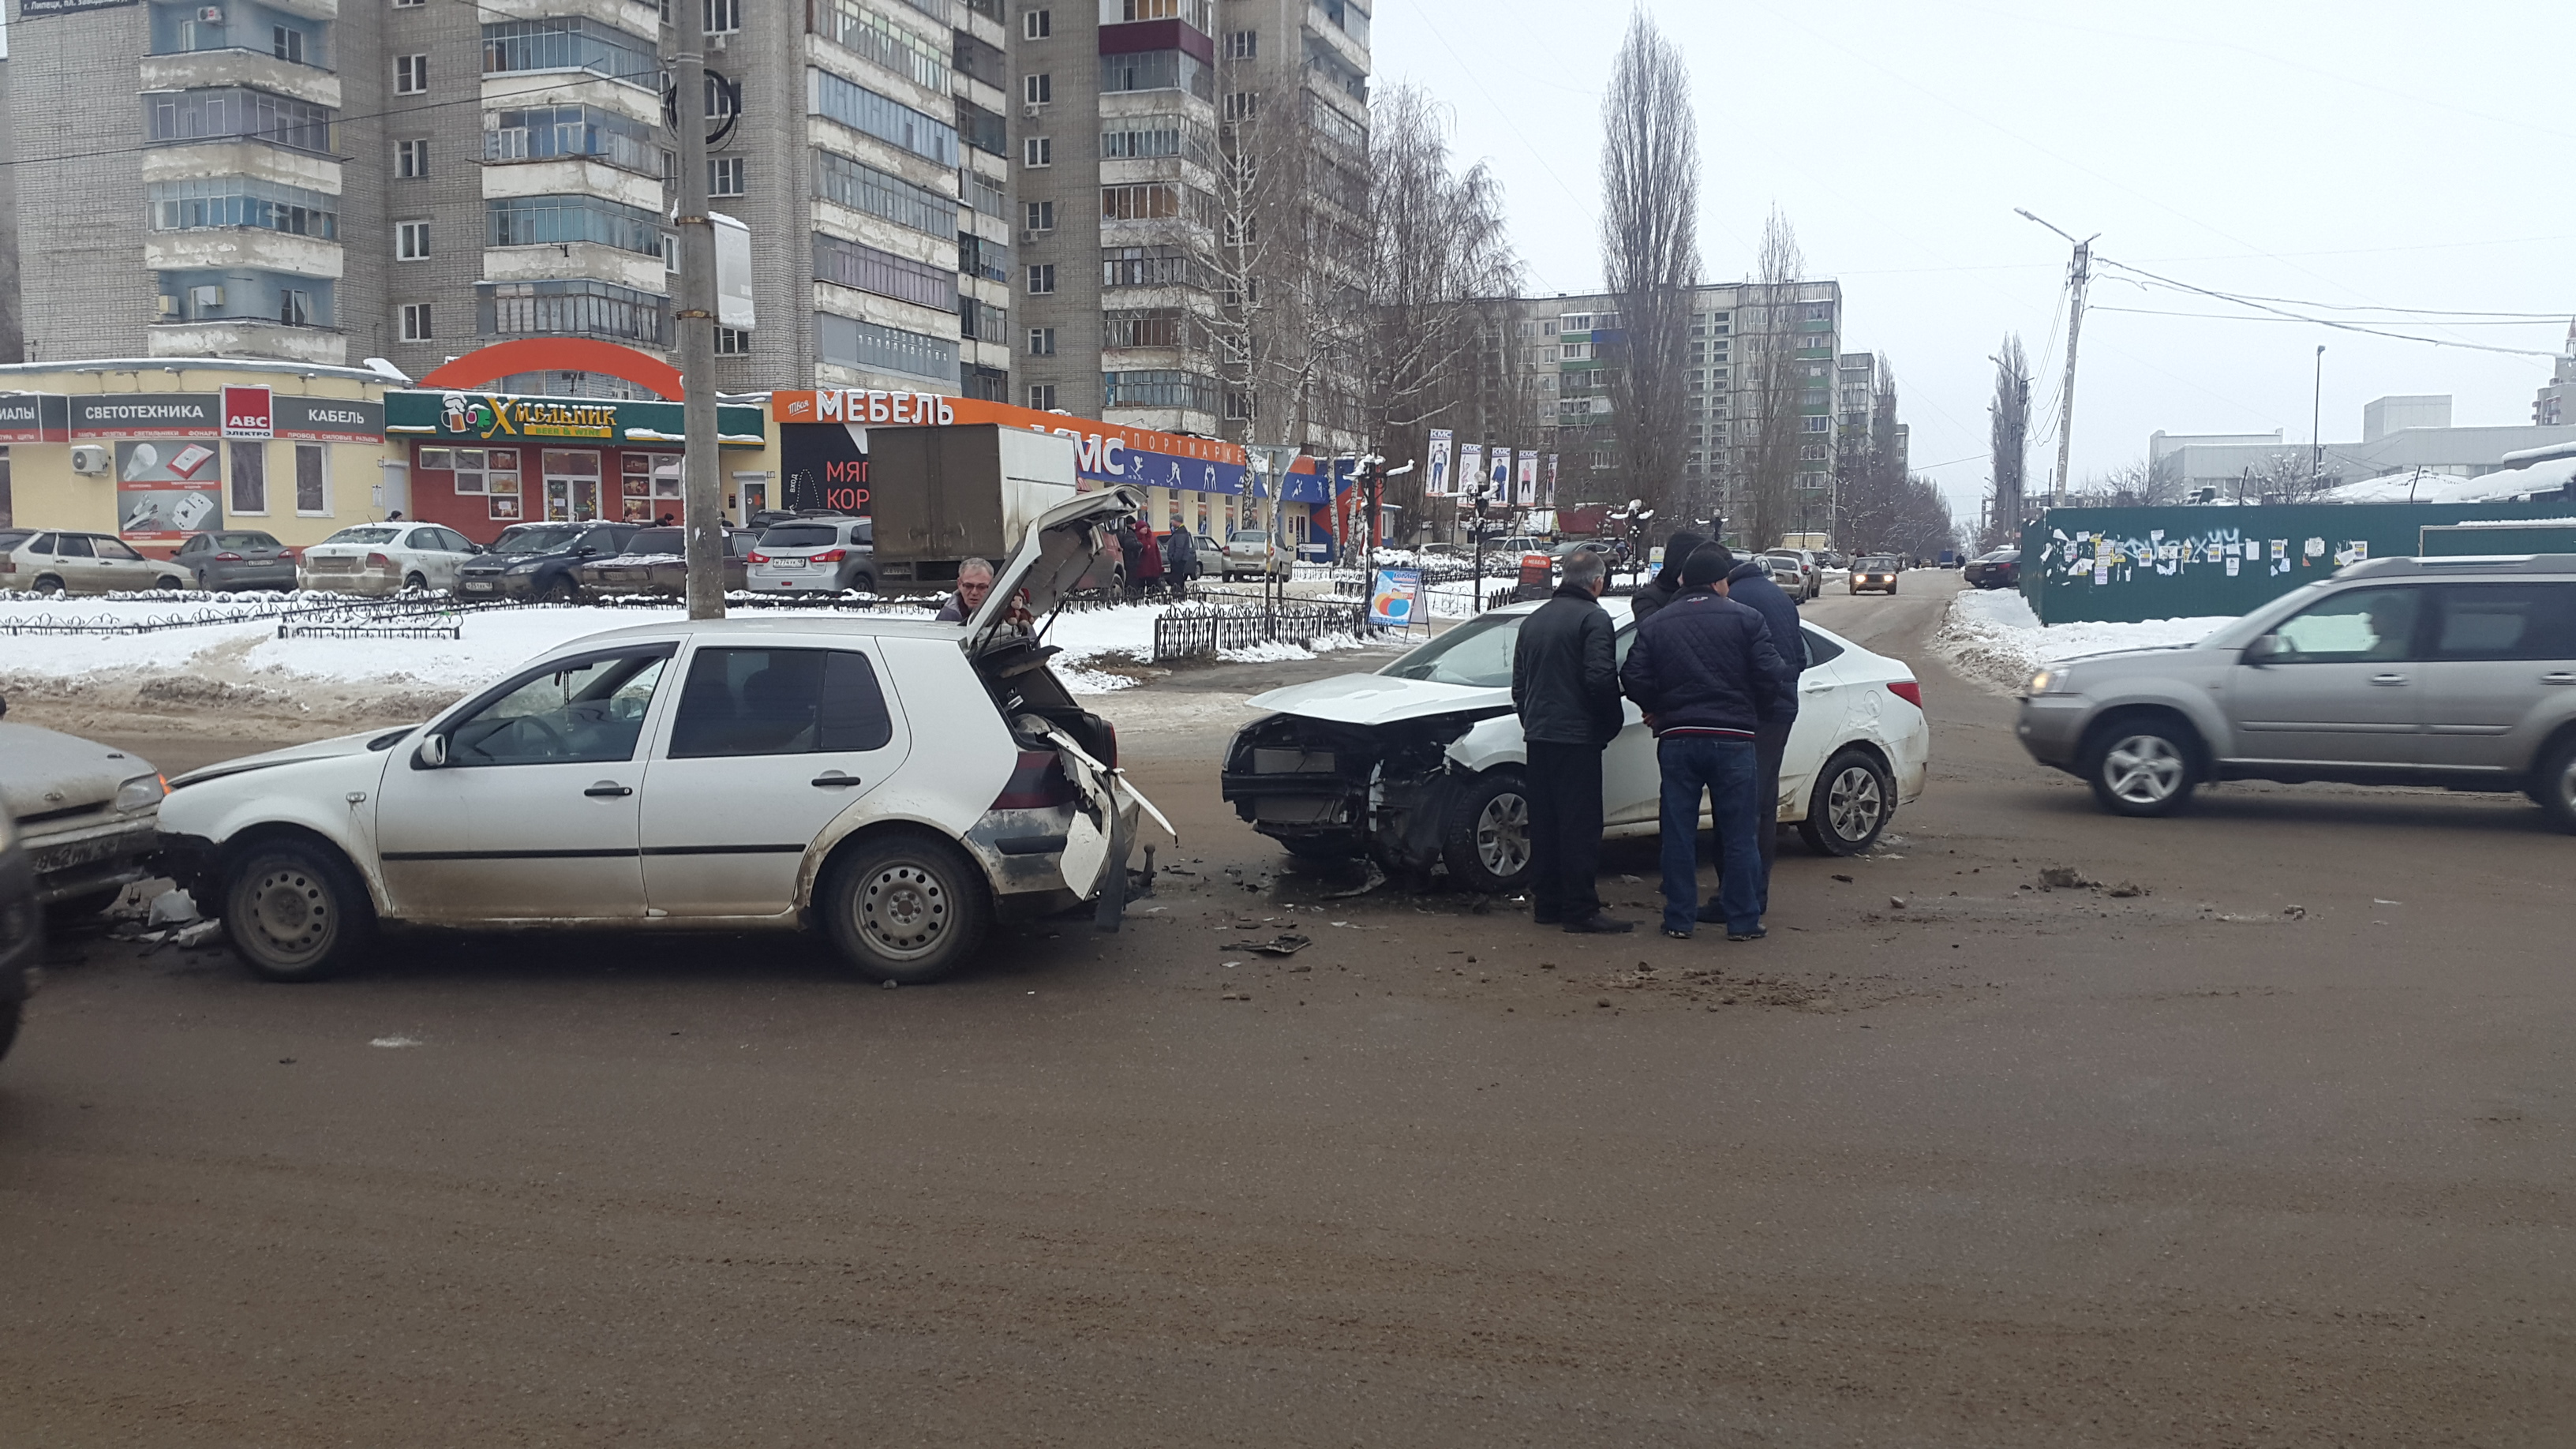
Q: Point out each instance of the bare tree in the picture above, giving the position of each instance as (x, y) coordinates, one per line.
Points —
(1768, 504)
(2008, 427)
(1650, 252)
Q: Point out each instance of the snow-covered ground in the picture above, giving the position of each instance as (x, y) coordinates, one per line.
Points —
(1991, 635)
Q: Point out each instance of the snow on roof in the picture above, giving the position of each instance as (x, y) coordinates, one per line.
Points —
(2428, 487)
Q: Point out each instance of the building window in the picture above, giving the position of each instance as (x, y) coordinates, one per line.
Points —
(479, 472)
(411, 240)
(725, 175)
(1820, 312)
(1037, 25)
(1037, 151)
(415, 322)
(571, 43)
(1154, 201)
(1042, 396)
(1818, 425)
(519, 221)
(409, 4)
(233, 113)
(984, 322)
(1164, 266)
(880, 194)
(850, 264)
(573, 308)
(411, 74)
(1041, 216)
(885, 43)
(294, 307)
(1156, 70)
(312, 481)
(241, 201)
(1243, 45)
(1160, 388)
(849, 342)
(1041, 279)
(1150, 327)
(411, 159)
(286, 43)
(250, 477)
(979, 257)
(890, 121)
(724, 17)
(1812, 453)
(1238, 405)
(732, 342)
(1038, 90)
(1041, 342)
(1241, 105)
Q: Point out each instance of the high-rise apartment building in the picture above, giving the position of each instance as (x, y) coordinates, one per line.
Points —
(1153, 266)
(413, 179)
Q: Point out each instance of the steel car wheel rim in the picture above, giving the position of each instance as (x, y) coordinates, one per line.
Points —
(291, 911)
(904, 910)
(1502, 835)
(2143, 769)
(1855, 804)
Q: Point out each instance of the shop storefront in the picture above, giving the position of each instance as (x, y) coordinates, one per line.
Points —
(155, 451)
(1201, 484)
(480, 461)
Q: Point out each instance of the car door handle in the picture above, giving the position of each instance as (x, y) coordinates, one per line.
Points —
(1815, 686)
(834, 780)
(608, 790)
(2561, 677)
(2388, 679)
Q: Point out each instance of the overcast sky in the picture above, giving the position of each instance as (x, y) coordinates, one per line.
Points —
(2357, 153)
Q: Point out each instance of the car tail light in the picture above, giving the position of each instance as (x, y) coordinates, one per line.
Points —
(830, 555)
(1907, 690)
(379, 561)
(228, 558)
(756, 557)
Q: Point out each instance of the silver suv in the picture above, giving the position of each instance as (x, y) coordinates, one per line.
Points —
(2457, 672)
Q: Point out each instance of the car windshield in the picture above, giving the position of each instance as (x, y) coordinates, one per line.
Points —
(1478, 653)
(801, 535)
(657, 541)
(536, 538)
(1878, 564)
(365, 535)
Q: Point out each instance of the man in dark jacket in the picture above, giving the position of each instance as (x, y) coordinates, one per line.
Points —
(1708, 677)
(1182, 558)
(1748, 584)
(1666, 585)
(1565, 684)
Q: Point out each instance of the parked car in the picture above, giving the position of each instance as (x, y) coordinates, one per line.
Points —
(810, 554)
(386, 558)
(537, 560)
(230, 561)
(2000, 569)
(1422, 763)
(22, 930)
(654, 562)
(56, 561)
(1877, 572)
(85, 814)
(2452, 672)
(1810, 580)
(894, 782)
(1249, 551)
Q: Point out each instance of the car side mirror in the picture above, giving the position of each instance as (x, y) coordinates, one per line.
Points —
(2263, 651)
(432, 754)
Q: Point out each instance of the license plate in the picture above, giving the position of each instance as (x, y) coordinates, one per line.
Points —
(476, 587)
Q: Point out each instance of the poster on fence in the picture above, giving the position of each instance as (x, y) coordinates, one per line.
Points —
(1391, 606)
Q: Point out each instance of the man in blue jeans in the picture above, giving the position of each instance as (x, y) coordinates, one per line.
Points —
(1708, 676)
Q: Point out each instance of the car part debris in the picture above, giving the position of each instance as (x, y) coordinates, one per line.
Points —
(1285, 944)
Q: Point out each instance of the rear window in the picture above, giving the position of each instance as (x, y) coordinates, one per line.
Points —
(1251, 535)
(244, 540)
(801, 535)
(365, 535)
(657, 540)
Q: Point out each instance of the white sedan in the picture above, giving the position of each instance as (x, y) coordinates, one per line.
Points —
(894, 783)
(1421, 763)
(386, 558)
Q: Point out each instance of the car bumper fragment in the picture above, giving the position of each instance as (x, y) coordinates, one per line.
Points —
(2051, 727)
(82, 862)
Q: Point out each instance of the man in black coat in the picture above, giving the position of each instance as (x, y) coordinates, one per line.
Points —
(1748, 584)
(1666, 585)
(1565, 684)
(1708, 678)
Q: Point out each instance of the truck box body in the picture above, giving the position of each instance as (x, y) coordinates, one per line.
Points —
(941, 496)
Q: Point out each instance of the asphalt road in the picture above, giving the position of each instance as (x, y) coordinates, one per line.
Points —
(2278, 1152)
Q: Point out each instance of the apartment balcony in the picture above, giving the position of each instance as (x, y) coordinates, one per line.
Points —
(210, 249)
(585, 260)
(247, 337)
(583, 177)
(631, 16)
(191, 70)
(194, 160)
(1342, 28)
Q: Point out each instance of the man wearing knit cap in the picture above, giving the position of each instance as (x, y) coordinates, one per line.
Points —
(1708, 676)
(1667, 582)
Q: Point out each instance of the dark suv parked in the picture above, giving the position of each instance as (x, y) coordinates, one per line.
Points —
(537, 560)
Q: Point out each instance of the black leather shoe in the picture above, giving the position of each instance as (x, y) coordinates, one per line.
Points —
(1599, 926)
(1756, 934)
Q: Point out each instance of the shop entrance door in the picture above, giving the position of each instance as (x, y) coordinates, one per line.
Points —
(572, 486)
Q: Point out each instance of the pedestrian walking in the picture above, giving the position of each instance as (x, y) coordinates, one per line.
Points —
(1706, 674)
(1664, 586)
(1748, 584)
(1182, 562)
(1149, 561)
(1565, 685)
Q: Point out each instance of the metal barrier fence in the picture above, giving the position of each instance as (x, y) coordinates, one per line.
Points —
(1187, 633)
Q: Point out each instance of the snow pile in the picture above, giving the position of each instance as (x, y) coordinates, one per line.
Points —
(1279, 652)
(1991, 635)
(2546, 476)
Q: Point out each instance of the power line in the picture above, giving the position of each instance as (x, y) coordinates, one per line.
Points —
(2340, 326)
(2240, 317)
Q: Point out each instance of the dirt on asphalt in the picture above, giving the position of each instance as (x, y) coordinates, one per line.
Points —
(2031, 1127)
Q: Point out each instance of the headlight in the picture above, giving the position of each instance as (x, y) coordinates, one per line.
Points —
(525, 568)
(141, 792)
(2057, 679)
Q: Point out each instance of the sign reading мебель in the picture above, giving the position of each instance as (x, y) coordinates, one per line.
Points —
(168, 490)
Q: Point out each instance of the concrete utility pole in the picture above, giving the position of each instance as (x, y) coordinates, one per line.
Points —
(701, 489)
(2316, 423)
(2078, 277)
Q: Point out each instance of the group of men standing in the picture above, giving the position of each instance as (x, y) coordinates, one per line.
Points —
(1714, 668)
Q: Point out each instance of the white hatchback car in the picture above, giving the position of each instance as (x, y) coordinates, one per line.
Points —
(892, 782)
(386, 558)
(1421, 763)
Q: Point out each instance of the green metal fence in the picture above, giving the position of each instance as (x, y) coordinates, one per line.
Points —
(2454, 541)
(2125, 565)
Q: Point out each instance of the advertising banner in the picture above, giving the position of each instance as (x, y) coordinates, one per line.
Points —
(824, 465)
(1551, 480)
(153, 415)
(34, 417)
(166, 491)
(249, 413)
(1435, 477)
(1500, 460)
(1529, 495)
(1471, 468)
(1398, 590)
(328, 419)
